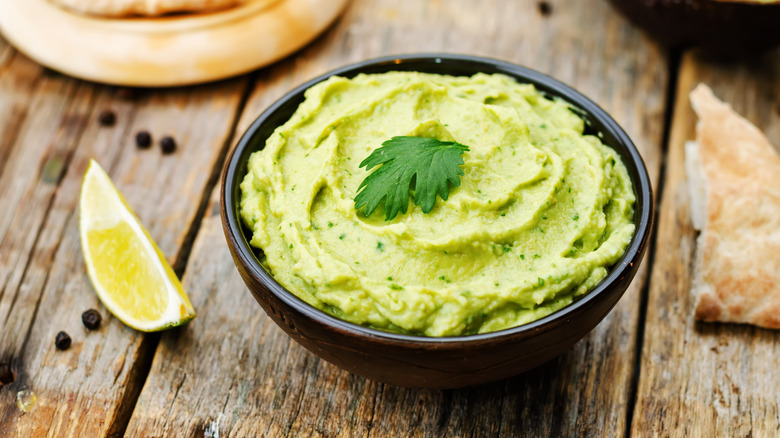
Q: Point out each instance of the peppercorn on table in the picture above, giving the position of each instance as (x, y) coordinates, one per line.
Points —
(647, 369)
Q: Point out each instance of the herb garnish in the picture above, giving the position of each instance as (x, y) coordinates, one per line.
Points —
(424, 166)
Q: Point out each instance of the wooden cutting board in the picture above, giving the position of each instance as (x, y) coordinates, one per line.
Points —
(166, 51)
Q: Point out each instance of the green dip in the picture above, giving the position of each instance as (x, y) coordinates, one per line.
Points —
(541, 213)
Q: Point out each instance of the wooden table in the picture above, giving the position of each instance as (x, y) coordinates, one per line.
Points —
(647, 369)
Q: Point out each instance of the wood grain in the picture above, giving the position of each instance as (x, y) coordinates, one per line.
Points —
(701, 379)
(233, 369)
(47, 116)
(90, 389)
(6, 52)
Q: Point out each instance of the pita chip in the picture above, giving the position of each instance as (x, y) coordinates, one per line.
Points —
(734, 180)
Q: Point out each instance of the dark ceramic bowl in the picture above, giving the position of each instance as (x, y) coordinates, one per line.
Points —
(420, 361)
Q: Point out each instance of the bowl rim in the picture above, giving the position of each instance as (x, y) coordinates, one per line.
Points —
(233, 227)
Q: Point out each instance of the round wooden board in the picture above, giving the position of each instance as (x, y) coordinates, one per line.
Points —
(166, 51)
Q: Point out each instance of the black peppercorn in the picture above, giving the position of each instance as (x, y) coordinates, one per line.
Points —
(168, 145)
(62, 341)
(6, 375)
(545, 8)
(107, 118)
(143, 139)
(91, 319)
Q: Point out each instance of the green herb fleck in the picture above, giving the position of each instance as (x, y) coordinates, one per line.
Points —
(425, 166)
(380, 246)
(576, 217)
(541, 281)
(396, 287)
(341, 237)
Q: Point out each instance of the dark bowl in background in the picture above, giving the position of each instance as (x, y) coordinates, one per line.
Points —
(419, 361)
(724, 28)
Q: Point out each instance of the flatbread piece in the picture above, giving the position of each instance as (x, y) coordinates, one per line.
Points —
(150, 8)
(734, 177)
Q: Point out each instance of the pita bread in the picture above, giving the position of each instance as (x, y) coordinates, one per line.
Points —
(734, 177)
(151, 8)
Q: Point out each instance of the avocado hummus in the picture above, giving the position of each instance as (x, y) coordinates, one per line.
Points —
(541, 213)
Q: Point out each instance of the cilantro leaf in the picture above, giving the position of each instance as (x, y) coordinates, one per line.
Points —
(424, 165)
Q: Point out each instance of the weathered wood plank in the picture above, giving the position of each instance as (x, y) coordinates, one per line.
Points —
(46, 116)
(233, 368)
(702, 379)
(90, 389)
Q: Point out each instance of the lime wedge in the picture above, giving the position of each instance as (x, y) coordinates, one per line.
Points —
(128, 271)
